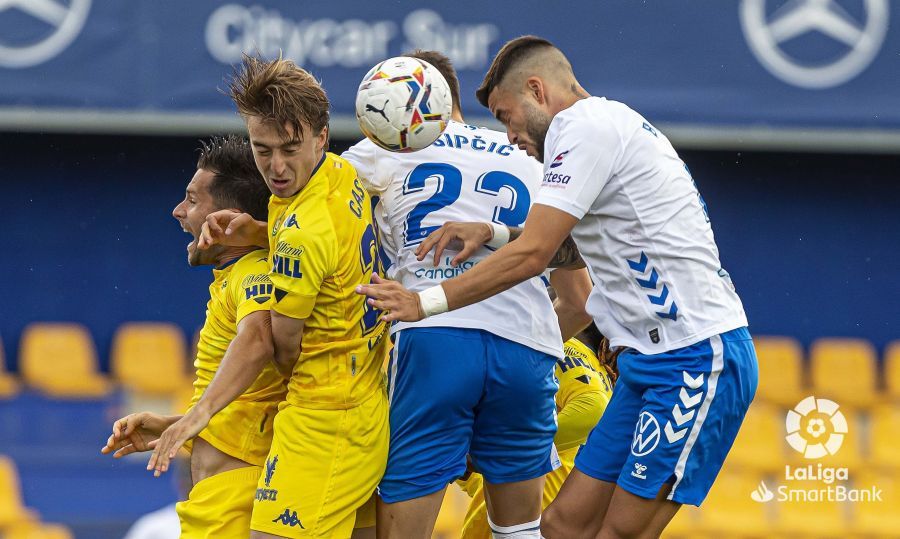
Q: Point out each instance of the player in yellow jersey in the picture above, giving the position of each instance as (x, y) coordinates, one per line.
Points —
(331, 435)
(585, 387)
(235, 375)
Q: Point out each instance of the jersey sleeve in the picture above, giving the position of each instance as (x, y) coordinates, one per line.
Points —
(252, 287)
(364, 157)
(302, 260)
(578, 163)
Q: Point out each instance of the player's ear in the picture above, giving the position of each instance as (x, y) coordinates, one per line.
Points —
(322, 139)
(534, 87)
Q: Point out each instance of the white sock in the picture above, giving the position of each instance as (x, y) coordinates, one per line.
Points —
(526, 530)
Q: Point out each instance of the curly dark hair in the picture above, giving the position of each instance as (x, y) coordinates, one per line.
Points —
(237, 182)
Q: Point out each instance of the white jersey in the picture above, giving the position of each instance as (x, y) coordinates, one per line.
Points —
(643, 230)
(468, 174)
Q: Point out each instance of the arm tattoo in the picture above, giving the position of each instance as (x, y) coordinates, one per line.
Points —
(567, 256)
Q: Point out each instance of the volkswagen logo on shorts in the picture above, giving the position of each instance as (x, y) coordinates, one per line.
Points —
(34, 31)
(646, 435)
(815, 43)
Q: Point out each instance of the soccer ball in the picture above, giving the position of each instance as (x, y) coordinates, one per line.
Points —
(403, 104)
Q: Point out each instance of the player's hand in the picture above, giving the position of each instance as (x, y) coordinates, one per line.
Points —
(134, 433)
(228, 227)
(463, 237)
(397, 302)
(171, 440)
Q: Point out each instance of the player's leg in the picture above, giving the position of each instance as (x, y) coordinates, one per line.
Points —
(322, 468)
(694, 402)
(409, 518)
(581, 504)
(512, 444)
(364, 527)
(436, 380)
(219, 505)
(634, 516)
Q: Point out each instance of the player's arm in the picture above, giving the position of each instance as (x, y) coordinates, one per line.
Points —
(247, 354)
(297, 281)
(572, 286)
(228, 227)
(580, 414)
(287, 335)
(467, 238)
(527, 257)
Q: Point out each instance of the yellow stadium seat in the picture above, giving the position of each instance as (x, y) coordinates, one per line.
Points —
(873, 518)
(760, 442)
(149, 357)
(844, 370)
(892, 371)
(729, 509)
(813, 517)
(36, 530)
(884, 427)
(60, 360)
(9, 386)
(12, 510)
(780, 370)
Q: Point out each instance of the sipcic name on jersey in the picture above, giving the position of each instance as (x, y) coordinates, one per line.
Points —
(475, 143)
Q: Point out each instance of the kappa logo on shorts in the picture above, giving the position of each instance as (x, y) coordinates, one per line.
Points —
(289, 518)
(646, 435)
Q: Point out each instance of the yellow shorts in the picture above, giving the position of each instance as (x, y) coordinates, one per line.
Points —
(475, 524)
(242, 430)
(220, 506)
(322, 469)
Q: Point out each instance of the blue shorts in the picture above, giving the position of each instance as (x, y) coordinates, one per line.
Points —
(457, 392)
(673, 417)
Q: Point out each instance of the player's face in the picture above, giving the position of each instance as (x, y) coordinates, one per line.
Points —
(191, 214)
(286, 163)
(526, 123)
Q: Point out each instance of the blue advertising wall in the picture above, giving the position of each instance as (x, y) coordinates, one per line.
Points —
(746, 62)
(810, 240)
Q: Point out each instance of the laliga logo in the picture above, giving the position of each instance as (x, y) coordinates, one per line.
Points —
(859, 41)
(815, 427)
(65, 20)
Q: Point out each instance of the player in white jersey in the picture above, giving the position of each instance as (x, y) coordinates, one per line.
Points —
(688, 372)
(479, 380)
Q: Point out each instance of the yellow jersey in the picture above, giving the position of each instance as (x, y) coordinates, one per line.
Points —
(322, 245)
(243, 428)
(585, 388)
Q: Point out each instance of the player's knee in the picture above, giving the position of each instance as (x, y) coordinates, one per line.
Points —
(553, 525)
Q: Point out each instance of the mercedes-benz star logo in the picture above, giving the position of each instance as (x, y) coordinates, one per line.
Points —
(796, 18)
(66, 21)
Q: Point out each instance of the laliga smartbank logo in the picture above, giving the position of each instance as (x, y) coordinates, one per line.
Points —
(816, 428)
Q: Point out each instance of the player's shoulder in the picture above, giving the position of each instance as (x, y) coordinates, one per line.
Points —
(338, 168)
(253, 262)
(592, 116)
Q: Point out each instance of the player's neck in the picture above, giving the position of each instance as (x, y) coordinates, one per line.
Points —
(231, 254)
(574, 94)
(456, 115)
